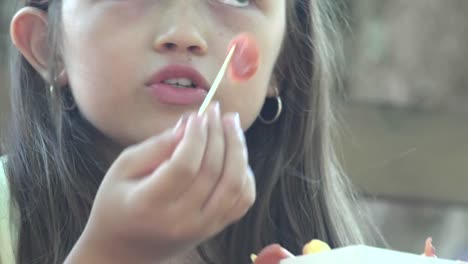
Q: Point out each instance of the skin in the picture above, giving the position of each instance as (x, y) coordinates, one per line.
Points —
(133, 34)
(171, 188)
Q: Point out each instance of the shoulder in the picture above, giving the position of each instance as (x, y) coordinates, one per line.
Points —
(6, 241)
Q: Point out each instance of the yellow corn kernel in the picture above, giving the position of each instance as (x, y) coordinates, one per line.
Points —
(253, 257)
(315, 246)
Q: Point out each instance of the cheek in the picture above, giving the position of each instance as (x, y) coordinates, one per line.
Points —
(250, 95)
(89, 78)
(254, 91)
(99, 79)
(95, 55)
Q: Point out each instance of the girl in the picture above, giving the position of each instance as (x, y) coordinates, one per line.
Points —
(95, 172)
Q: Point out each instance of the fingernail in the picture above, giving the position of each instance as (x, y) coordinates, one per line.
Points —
(238, 126)
(237, 121)
(217, 108)
(203, 121)
(179, 124)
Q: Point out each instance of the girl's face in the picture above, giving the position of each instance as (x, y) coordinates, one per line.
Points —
(113, 48)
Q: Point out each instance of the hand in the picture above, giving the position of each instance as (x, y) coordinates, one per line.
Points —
(272, 254)
(170, 193)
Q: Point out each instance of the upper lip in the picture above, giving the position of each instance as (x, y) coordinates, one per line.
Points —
(179, 71)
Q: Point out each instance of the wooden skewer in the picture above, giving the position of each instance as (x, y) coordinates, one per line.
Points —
(217, 81)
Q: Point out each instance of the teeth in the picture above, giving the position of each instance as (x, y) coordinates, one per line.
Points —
(184, 82)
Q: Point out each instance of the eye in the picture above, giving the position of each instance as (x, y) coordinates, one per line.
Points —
(236, 3)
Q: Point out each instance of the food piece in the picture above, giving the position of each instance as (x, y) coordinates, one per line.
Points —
(246, 58)
(272, 254)
(429, 250)
(253, 257)
(315, 246)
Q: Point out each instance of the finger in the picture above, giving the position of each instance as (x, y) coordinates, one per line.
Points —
(141, 159)
(244, 202)
(272, 254)
(212, 165)
(174, 175)
(233, 178)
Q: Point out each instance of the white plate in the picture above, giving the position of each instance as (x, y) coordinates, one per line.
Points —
(364, 255)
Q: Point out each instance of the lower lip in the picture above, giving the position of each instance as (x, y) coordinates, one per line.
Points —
(167, 94)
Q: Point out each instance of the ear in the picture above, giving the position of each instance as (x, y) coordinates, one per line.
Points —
(28, 32)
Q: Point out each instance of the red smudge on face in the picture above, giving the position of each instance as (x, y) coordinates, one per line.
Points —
(244, 63)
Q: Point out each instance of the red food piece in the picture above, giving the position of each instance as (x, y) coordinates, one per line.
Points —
(244, 63)
(429, 250)
(272, 254)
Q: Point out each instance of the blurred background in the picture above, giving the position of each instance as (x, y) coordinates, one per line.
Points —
(404, 116)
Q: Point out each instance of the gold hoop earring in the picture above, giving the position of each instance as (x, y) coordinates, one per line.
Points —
(279, 110)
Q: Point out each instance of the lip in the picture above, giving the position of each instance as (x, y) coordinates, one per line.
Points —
(168, 94)
(179, 71)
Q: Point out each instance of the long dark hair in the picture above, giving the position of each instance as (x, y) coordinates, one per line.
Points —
(54, 168)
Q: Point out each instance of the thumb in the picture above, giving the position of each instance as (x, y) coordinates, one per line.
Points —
(272, 254)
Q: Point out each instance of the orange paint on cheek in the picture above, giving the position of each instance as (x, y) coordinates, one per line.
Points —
(244, 63)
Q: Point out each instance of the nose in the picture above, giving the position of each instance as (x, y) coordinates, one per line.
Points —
(181, 38)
